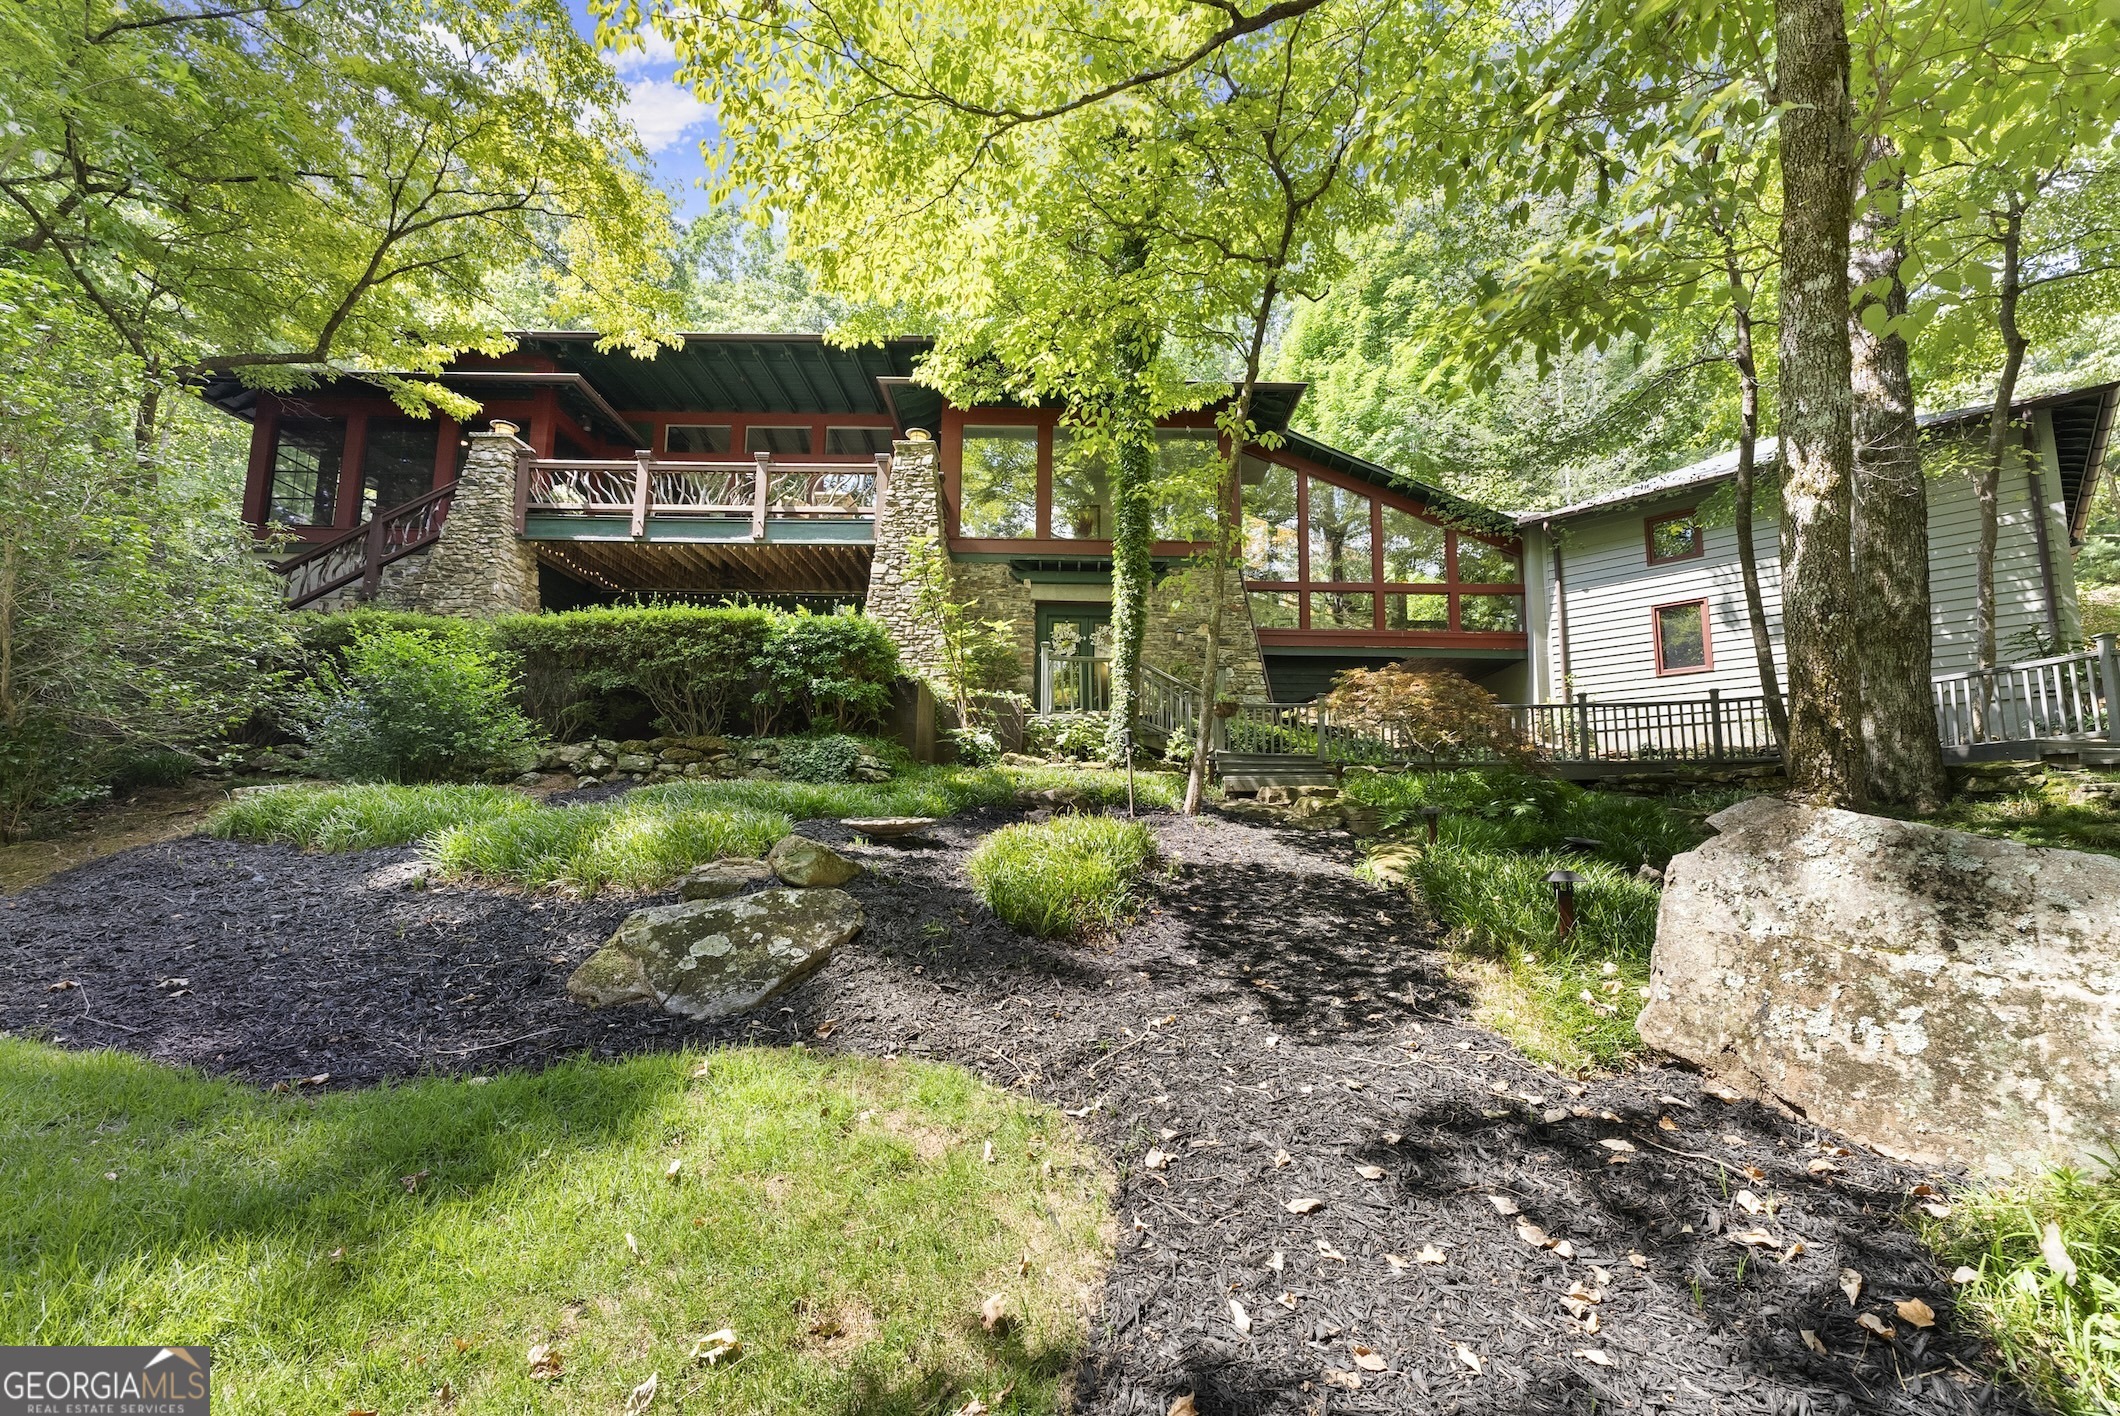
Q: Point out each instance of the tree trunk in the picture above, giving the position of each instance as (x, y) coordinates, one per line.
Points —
(1747, 550)
(1904, 757)
(1988, 485)
(146, 415)
(1133, 469)
(1818, 602)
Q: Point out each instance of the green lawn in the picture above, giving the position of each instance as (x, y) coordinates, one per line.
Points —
(646, 838)
(836, 1214)
(2040, 815)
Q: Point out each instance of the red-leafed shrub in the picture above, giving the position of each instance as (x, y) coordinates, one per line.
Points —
(1422, 714)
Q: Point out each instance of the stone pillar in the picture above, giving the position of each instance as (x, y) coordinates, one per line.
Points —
(912, 511)
(480, 566)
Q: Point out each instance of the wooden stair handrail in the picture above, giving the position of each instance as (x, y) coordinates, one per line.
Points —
(376, 553)
(318, 548)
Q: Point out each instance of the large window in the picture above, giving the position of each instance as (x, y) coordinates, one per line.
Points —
(1482, 564)
(1415, 549)
(397, 463)
(1082, 489)
(1188, 470)
(856, 442)
(781, 442)
(696, 438)
(305, 471)
(1682, 638)
(1339, 535)
(1269, 526)
(998, 483)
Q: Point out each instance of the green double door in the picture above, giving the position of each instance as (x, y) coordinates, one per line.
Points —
(1074, 658)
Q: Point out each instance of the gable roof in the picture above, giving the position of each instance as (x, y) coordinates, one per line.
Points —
(2082, 418)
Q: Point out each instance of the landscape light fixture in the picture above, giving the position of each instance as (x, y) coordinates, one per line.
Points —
(1433, 815)
(1563, 883)
(918, 435)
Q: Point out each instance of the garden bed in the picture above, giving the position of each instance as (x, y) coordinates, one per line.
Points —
(1266, 1003)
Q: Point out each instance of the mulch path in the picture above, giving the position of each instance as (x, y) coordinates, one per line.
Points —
(1278, 1029)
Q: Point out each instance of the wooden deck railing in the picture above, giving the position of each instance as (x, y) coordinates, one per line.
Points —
(2065, 696)
(645, 486)
(360, 554)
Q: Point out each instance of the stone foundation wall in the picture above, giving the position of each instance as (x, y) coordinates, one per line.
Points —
(1002, 596)
(480, 567)
(1176, 637)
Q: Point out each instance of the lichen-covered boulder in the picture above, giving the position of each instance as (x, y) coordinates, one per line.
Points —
(1938, 995)
(717, 958)
(718, 879)
(799, 860)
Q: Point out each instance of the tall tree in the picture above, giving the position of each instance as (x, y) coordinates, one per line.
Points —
(1816, 397)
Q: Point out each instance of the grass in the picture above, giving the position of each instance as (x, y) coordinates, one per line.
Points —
(2042, 815)
(2060, 1338)
(1571, 1005)
(1062, 878)
(644, 839)
(835, 1213)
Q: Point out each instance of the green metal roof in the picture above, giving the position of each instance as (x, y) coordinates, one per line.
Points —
(737, 373)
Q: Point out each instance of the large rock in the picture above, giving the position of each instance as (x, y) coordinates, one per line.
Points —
(1938, 995)
(717, 958)
(799, 860)
(731, 875)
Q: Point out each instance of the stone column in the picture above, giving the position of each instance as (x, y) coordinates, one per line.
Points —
(912, 512)
(480, 567)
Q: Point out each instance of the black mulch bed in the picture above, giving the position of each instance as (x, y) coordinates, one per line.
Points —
(1310, 1032)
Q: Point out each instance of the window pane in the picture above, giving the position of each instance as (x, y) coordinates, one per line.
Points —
(1682, 637)
(695, 437)
(1082, 489)
(856, 442)
(999, 482)
(1416, 611)
(1269, 492)
(784, 442)
(1490, 612)
(1335, 611)
(1188, 466)
(305, 471)
(1413, 549)
(1273, 609)
(1339, 534)
(1674, 538)
(1482, 564)
(397, 464)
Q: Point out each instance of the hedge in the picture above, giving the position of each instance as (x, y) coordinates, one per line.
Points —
(689, 671)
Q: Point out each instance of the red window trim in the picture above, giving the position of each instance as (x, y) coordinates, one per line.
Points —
(1707, 638)
(1700, 536)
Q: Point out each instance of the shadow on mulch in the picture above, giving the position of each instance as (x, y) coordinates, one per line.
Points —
(1278, 1029)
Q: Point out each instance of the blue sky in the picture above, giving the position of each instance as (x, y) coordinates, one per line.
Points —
(672, 123)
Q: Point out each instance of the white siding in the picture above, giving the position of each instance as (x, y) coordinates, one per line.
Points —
(1611, 591)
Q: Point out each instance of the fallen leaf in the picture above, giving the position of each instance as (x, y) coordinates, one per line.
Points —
(1962, 1274)
(463, 1344)
(1277, 1261)
(632, 1244)
(1398, 1265)
(1502, 1204)
(1603, 1276)
(1430, 1254)
(1370, 1172)
(675, 1166)
(1597, 1356)
(1531, 1234)
(1155, 1159)
(1238, 1318)
(973, 1406)
(1875, 1324)
(61, 986)
(1811, 1340)
(1753, 1172)
(1287, 1300)
(986, 1153)
(1565, 1249)
(642, 1397)
(1281, 1158)
(1304, 1206)
(1640, 1261)
(1470, 1358)
(1915, 1311)
(825, 1028)
(1367, 1358)
(1392, 1138)
(1183, 1406)
(412, 1182)
(1168, 1134)
(1936, 1209)
(993, 1313)
(545, 1363)
(1587, 1295)
(716, 1347)
(1822, 1166)
(2055, 1252)
(1748, 1202)
(1757, 1237)
(1326, 1251)
(1665, 1123)
(1617, 1146)
(1851, 1284)
(1345, 1380)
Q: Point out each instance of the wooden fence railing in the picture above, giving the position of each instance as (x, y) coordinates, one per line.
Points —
(645, 486)
(2066, 696)
(361, 553)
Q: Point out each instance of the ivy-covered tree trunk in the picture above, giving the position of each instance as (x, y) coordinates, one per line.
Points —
(1816, 397)
(1133, 429)
(1904, 757)
(1987, 487)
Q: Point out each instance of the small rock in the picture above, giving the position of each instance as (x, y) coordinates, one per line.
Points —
(1649, 875)
(528, 779)
(720, 878)
(799, 860)
(635, 762)
(609, 978)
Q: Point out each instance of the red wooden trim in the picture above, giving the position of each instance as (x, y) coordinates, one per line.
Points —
(1303, 548)
(1057, 546)
(544, 423)
(1707, 639)
(264, 450)
(352, 453)
(446, 434)
(1649, 525)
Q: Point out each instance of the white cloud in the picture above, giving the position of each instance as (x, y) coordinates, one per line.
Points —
(658, 56)
(663, 113)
